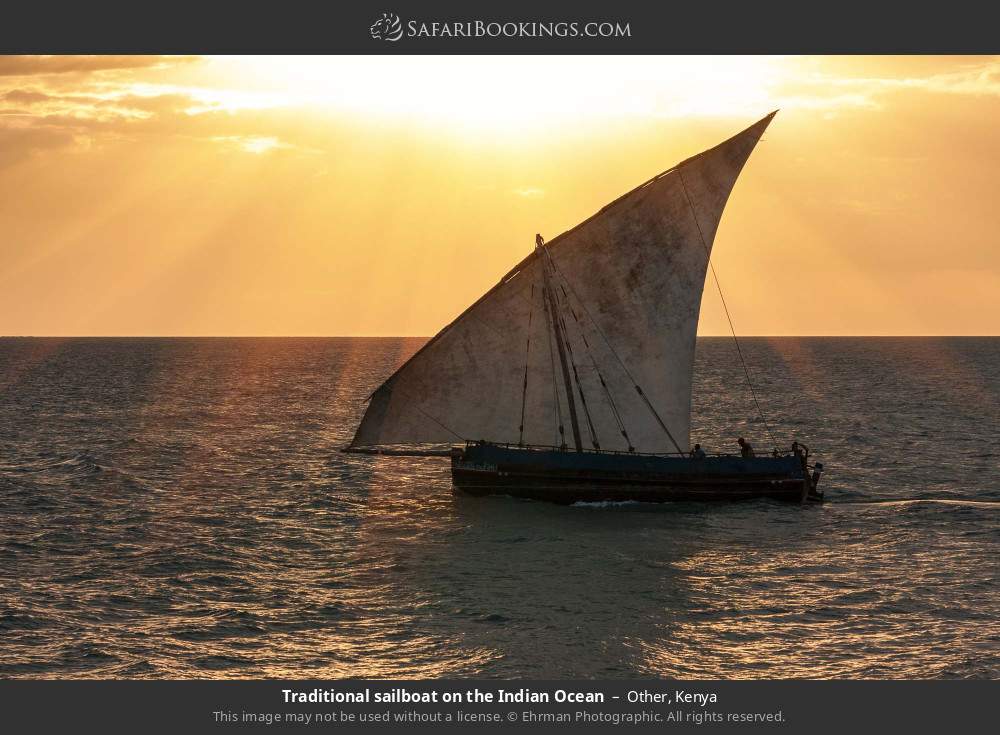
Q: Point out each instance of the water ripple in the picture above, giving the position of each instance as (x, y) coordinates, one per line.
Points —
(179, 508)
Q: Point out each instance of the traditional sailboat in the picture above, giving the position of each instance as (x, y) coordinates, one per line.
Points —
(570, 380)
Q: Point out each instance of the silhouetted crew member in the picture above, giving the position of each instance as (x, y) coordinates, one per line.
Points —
(745, 449)
(697, 452)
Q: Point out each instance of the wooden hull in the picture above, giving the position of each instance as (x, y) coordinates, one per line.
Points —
(570, 477)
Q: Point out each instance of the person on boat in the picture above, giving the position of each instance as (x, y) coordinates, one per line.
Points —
(746, 450)
(697, 452)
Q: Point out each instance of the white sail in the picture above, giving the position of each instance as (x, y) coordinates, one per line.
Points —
(628, 282)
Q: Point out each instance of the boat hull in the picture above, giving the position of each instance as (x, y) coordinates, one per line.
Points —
(571, 477)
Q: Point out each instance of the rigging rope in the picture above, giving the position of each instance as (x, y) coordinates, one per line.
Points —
(552, 365)
(436, 421)
(576, 377)
(725, 307)
(593, 361)
(453, 433)
(627, 372)
(527, 352)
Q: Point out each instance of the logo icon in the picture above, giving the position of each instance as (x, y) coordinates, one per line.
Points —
(387, 28)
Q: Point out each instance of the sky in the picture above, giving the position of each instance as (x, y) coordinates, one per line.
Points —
(144, 195)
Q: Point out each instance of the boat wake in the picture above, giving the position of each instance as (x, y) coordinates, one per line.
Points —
(912, 501)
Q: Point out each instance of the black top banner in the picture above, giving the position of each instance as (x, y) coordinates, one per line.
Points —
(448, 26)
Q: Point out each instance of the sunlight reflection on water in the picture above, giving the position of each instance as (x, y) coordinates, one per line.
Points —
(179, 508)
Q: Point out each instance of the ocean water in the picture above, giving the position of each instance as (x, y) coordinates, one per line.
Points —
(178, 508)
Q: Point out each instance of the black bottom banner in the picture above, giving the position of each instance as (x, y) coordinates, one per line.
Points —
(526, 706)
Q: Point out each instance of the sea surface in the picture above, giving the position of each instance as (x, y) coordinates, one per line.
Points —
(179, 508)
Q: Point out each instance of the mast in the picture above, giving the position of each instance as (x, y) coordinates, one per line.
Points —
(557, 329)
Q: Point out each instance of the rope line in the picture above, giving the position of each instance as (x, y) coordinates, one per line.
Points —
(579, 387)
(555, 387)
(453, 433)
(557, 301)
(725, 307)
(527, 352)
(593, 361)
(624, 368)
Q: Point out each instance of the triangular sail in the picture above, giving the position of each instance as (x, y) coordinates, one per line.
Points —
(629, 282)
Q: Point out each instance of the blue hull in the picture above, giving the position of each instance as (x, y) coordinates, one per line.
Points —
(569, 477)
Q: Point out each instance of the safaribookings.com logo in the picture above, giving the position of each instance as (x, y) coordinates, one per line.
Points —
(387, 28)
(390, 28)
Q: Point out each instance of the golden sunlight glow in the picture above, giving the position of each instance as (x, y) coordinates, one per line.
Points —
(380, 195)
(513, 93)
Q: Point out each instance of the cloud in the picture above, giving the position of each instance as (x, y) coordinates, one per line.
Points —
(86, 101)
(825, 90)
(530, 192)
(38, 65)
(977, 80)
(61, 102)
(17, 144)
(35, 120)
(254, 143)
(93, 117)
(24, 96)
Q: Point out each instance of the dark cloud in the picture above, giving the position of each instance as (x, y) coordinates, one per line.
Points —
(24, 96)
(142, 103)
(19, 143)
(36, 121)
(35, 65)
(160, 103)
(55, 103)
